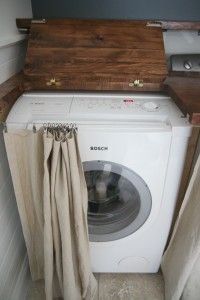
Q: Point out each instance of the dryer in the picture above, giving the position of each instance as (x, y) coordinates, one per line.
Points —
(133, 148)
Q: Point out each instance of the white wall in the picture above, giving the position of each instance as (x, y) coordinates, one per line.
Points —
(14, 272)
(12, 44)
(11, 59)
(180, 42)
(9, 11)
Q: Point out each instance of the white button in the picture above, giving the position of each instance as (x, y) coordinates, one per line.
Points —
(151, 106)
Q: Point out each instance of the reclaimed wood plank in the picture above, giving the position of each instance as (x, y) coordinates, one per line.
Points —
(100, 36)
(185, 91)
(78, 52)
(10, 90)
(91, 82)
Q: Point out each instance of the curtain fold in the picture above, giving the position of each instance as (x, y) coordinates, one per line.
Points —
(52, 200)
(180, 264)
(25, 157)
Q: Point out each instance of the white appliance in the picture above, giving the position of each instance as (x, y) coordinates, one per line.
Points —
(133, 148)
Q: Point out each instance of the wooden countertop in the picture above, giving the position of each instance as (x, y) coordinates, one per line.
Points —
(10, 90)
(185, 91)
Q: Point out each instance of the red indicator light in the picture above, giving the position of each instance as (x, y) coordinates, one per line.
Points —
(128, 100)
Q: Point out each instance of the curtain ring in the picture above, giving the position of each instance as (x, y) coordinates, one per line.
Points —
(5, 129)
(45, 127)
(34, 128)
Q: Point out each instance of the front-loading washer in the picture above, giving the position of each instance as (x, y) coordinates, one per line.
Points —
(132, 147)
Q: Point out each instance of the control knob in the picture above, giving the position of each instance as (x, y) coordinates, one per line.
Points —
(150, 106)
(187, 65)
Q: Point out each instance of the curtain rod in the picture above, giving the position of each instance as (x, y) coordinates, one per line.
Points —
(45, 126)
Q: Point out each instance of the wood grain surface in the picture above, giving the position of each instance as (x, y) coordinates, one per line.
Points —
(10, 90)
(95, 55)
(185, 91)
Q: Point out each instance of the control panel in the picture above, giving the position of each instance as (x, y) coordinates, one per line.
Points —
(117, 104)
(118, 107)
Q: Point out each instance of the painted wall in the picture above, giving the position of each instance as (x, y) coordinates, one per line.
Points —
(9, 11)
(11, 58)
(181, 42)
(12, 45)
(118, 9)
(14, 271)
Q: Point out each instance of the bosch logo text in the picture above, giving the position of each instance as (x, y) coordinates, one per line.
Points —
(98, 148)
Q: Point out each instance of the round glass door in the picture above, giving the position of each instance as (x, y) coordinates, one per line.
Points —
(119, 201)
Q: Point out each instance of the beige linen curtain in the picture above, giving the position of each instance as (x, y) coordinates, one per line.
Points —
(52, 201)
(181, 261)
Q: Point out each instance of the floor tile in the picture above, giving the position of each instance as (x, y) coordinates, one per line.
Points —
(116, 287)
(131, 287)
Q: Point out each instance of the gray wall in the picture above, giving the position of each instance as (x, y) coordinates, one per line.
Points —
(118, 9)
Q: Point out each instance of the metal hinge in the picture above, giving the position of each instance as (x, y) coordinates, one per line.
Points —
(39, 21)
(154, 24)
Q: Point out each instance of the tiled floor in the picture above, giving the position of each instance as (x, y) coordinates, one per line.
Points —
(118, 287)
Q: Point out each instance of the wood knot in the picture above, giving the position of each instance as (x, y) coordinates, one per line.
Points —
(99, 38)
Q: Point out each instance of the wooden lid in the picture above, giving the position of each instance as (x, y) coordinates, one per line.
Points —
(185, 91)
(95, 55)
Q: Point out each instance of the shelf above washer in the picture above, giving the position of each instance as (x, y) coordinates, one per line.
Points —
(185, 91)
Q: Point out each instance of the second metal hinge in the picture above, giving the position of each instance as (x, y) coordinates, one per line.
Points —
(39, 21)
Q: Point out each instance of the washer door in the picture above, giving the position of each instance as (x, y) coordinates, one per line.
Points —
(119, 201)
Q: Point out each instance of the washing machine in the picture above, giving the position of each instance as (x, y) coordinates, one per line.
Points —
(132, 148)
